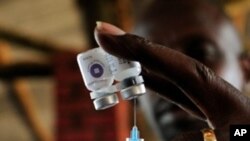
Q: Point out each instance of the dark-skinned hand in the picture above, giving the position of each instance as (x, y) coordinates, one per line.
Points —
(199, 91)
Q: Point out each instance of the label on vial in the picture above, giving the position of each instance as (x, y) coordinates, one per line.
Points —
(92, 69)
(122, 68)
(112, 64)
(95, 69)
(118, 64)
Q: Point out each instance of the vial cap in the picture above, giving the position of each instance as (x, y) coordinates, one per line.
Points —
(103, 92)
(130, 82)
(133, 91)
(106, 102)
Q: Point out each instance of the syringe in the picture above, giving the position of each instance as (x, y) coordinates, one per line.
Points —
(134, 133)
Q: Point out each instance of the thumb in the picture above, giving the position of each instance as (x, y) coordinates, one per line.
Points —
(154, 56)
(106, 34)
(119, 43)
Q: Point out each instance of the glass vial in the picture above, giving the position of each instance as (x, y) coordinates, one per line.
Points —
(128, 73)
(97, 77)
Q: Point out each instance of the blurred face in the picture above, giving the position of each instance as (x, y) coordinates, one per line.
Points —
(199, 31)
(218, 49)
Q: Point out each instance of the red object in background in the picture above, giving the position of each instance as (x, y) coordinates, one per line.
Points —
(76, 118)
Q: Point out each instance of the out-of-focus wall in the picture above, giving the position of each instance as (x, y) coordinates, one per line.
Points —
(240, 15)
(239, 12)
(56, 20)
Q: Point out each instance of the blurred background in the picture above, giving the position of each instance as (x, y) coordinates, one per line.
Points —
(42, 95)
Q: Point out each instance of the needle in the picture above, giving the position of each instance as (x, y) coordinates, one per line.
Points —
(134, 133)
(134, 111)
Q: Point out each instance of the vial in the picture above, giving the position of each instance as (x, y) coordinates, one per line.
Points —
(127, 72)
(98, 77)
(99, 70)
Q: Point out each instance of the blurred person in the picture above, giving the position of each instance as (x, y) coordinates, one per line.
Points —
(192, 59)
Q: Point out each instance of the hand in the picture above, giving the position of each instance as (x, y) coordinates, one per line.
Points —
(197, 89)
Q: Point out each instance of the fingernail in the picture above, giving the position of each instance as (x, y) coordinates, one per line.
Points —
(107, 28)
